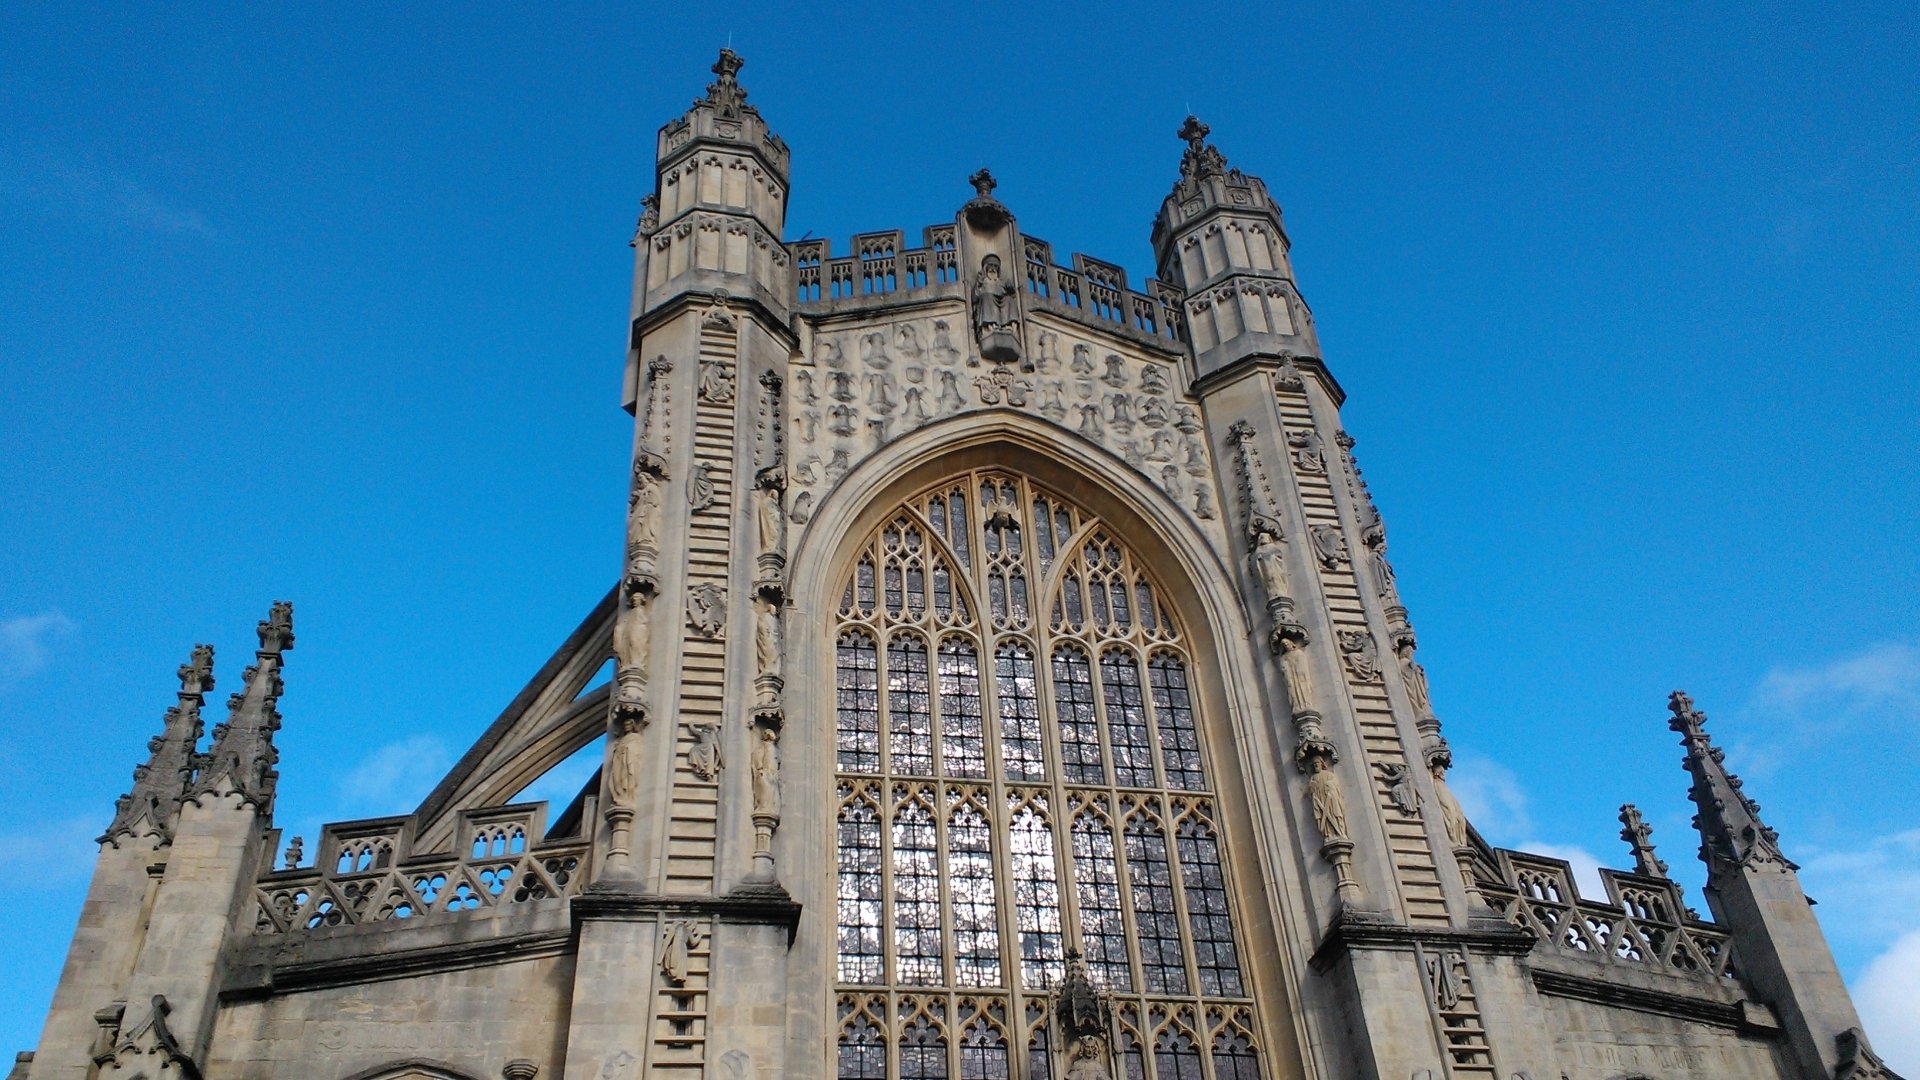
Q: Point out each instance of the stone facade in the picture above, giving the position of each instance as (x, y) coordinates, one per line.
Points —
(1010, 680)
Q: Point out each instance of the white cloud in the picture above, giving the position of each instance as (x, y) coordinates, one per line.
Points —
(26, 642)
(1867, 894)
(1495, 801)
(393, 778)
(52, 853)
(1878, 685)
(1887, 994)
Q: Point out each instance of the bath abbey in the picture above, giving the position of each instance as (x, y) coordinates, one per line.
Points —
(1009, 680)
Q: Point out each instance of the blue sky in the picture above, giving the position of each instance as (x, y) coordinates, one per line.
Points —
(327, 304)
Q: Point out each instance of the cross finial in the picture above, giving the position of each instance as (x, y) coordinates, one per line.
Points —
(276, 630)
(1639, 835)
(1194, 132)
(196, 675)
(983, 183)
(729, 63)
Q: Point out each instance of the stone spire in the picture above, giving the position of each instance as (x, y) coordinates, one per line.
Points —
(1639, 836)
(242, 758)
(1731, 832)
(148, 809)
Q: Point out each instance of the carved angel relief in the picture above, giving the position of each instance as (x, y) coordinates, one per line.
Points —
(707, 608)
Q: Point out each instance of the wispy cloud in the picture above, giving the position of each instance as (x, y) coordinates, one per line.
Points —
(87, 191)
(1497, 803)
(1879, 685)
(1887, 994)
(27, 642)
(52, 853)
(392, 779)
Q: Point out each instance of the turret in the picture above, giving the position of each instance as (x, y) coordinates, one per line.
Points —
(1218, 236)
(1754, 892)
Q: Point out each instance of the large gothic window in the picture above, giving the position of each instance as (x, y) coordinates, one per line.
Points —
(1020, 773)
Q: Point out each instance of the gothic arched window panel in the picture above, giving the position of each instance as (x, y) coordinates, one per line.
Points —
(1023, 779)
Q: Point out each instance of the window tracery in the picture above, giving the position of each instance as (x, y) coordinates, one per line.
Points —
(1022, 772)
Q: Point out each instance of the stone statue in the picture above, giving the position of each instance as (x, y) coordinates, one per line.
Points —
(1086, 1062)
(623, 766)
(707, 608)
(703, 757)
(1362, 655)
(1451, 816)
(1443, 981)
(1414, 678)
(766, 638)
(633, 633)
(772, 521)
(676, 948)
(1293, 660)
(716, 382)
(996, 323)
(1309, 454)
(1269, 558)
(765, 767)
(1400, 790)
(1329, 799)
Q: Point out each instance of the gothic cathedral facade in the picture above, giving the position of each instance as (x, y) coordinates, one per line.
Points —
(1010, 681)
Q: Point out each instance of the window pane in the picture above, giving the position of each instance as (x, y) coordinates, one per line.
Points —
(857, 703)
(1126, 719)
(963, 739)
(1103, 929)
(1020, 739)
(976, 926)
(909, 707)
(1036, 898)
(1173, 709)
(863, 1051)
(1206, 890)
(916, 896)
(1162, 968)
(859, 899)
(1079, 728)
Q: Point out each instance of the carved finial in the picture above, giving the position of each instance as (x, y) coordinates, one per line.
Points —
(983, 184)
(242, 758)
(1639, 835)
(295, 852)
(1079, 1006)
(1732, 836)
(1200, 159)
(725, 93)
(1194, 133)
(276, 630)
(196, 675)
(150, 807)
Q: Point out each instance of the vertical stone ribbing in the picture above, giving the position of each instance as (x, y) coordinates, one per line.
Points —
(1380, 741)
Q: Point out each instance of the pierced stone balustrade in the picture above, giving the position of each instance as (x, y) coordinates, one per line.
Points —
(366, 874)
(1643, 922)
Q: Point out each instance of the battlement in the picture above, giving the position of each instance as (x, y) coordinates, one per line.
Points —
(882, 270)
(1644, 922)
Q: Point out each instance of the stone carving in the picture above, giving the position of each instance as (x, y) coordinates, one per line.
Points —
(837, 466)
(1731, 831)
(650, 446)
(1443, 981)
(703, 757)
(700, 488)
(1001, 383)
(763, 768)
(767, 649)
(1309, 454)
(1328, 798)
(633, 634)
(943, 349)
(1362, 655)
(841, 422)
(996, 321)
(1153, 379)
(1120, 412)
(148, 809)
(1639, 835)
(1203, 503)
(949, 400)
(623, 772)
(840, 385)
(296, 850)
(1288, 377)
(906, 338)
(1160, 446)
(1049, 359)
(707, 609)
(1414, 678)
(519, 1069)
(873, 351)
(677, 945)
(617, 1065)
(1329, 544)
(643, 530)
(1052, 404)
(915, 408)
(1116, 375)
(1154, 414)
(1084, 1017)
(879, 392)
(1268, 558)
(1090, 425)
(802, 508)
(1452, 817)
(1082, 363)
(1295, 665)
(879, 428)
(716, 382)
(1400, 790)
(809, 426)
(827, 351)
(803, 387)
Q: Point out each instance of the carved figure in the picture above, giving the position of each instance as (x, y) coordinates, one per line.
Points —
(1293, 662)
(1329, 544)
(1203, 502)
(996, 323)
(765, 768)
(1362, 654)
(837, 466)
(841, 422)
(700, 490)
(840, 385)
(1120, 410)
(1116, 375)
(809, 426)
(1452, 817)
(1309, 453)
(1087, 1063)
(1049, 359)
(1153, 379)
(633, 633)
(1153, 412)
(1328, 797)
(1269, 561)
(716, 382)
(1414, 678)
(943, 342)
(1052, 406)
(1082, 359)
(707, 608)
(879, 392)
(1400, 790)
(1001, 383)
(766, 638)
(916, 406)
(703, 757)
(879, 427)
(681, 939)
(623, 764)
(803, 387)
(295, 852)
(1090, 421)
(1169, 479)
(827, 351)
(1160, 446)
(643, 529)
(873, 350)
(1443, 981)
(772, 523)
(949, 400)
(907, 339)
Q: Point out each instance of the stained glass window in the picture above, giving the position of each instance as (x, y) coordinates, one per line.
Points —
(1012, 790)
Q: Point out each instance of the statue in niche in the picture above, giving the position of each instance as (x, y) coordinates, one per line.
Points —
(643, 528)
(1452, 817)
(943, 349)
(1330, 545)
(1268, 557)
(1400, 790)
(1362, 654)
(1414, 678)
(1309, 454)
(949, 400)
(771, 521)
(707, 608)
(677, 945)
(873, 350)
(827, 351)
(633, 632)
(703, 757)
(765, 768)
(1299, 673)
(716, 382)
(623, 764)
(766, 638)
(996, 323)
(1328, 798)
